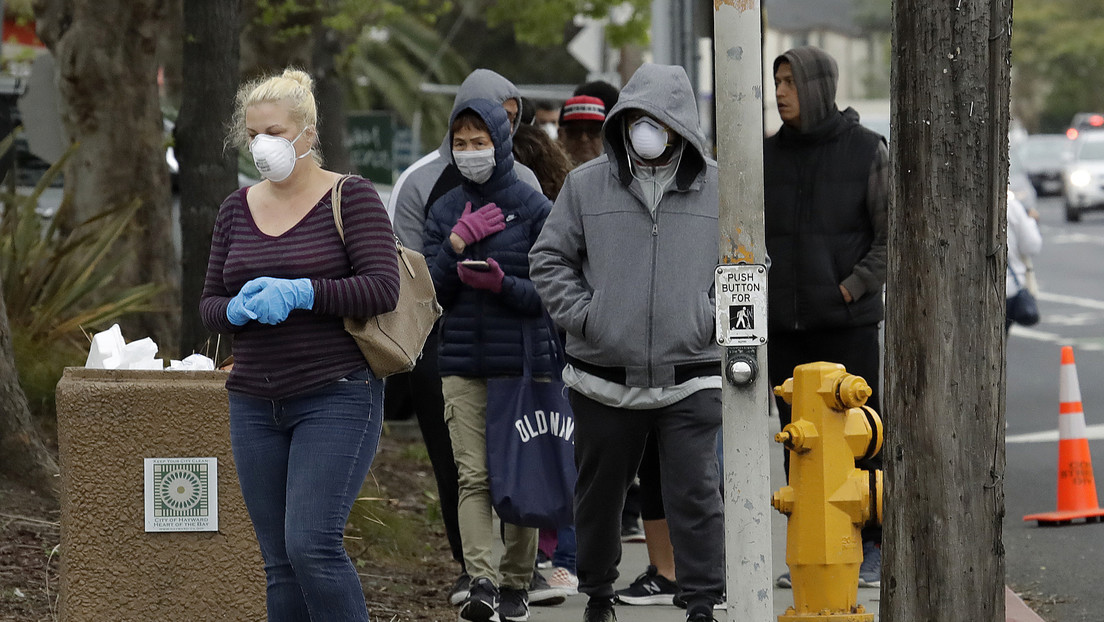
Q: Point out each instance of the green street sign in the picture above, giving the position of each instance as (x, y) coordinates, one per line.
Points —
(370, 138)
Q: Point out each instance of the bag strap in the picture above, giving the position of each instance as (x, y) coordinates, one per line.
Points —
(335, 203)
(1015, 279)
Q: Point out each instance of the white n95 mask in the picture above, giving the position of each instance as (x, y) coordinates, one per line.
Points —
(648, 138)
(475, 165)
(275, 156)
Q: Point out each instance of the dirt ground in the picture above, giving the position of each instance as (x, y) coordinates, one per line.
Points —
(401, 551)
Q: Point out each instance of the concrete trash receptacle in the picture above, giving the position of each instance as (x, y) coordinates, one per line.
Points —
(109, 422)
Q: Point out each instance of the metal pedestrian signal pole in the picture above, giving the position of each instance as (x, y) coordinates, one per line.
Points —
(741, 296)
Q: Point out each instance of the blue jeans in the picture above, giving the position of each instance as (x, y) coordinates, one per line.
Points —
(301, 462)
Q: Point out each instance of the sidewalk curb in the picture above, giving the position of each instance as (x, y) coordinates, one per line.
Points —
(1015, 610)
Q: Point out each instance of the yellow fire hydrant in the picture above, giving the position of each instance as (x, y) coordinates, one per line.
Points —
(828, 499)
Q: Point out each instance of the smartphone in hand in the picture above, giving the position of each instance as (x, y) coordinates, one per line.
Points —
(477, 265)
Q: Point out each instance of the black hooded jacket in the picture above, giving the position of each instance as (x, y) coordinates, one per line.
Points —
(825, 208)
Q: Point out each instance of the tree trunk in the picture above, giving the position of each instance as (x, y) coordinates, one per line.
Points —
(330, 95)
(22, 453)
(208, 172)
(944, 560)
(107, 80)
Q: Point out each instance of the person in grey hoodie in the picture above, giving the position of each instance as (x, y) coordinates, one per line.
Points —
(826, 201)
(431, 177)
(419, 186)
(624, 265)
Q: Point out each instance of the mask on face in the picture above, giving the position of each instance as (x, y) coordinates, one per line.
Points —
(275, 156)
(475, 165)
(550, 129)
(649, 139)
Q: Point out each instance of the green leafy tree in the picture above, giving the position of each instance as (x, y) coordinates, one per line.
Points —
(541, 22)
(1057, 58)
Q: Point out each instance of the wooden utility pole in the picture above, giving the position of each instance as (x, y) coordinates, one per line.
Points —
(944, 560)
(741, 308)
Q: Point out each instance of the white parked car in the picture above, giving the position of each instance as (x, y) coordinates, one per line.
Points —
(1083, 176)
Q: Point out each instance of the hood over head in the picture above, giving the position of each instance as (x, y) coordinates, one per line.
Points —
(498, 125)
(482, 84)
(816, 75)
(664, 92)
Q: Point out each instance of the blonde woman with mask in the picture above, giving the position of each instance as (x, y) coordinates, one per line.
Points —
(305, 410)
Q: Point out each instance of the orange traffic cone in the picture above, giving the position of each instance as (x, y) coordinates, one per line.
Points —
(1076, 487)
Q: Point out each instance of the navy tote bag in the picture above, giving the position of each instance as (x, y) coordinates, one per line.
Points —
(531, 446)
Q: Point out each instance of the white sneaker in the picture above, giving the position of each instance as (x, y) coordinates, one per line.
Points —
(564, 580)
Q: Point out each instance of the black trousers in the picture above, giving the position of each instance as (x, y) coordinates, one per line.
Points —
(857, 349)
(609, 443)
(421, 388)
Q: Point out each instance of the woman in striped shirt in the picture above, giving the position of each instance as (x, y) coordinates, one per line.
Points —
(305, 410)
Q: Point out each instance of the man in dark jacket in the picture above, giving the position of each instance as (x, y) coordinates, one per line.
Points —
(826, 195)
(625, 266)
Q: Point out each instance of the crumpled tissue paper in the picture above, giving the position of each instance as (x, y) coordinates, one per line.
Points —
(195, 362)
(110, 351)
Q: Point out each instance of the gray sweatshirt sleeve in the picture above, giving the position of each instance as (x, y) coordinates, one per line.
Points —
(869, 275)
(556, 263)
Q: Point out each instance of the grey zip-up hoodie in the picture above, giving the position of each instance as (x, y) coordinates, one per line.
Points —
(632, 288)
(407, 204)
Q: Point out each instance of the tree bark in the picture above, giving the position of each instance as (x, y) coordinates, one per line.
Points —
(208, 171)
(107, 80)
(22, 453)
(330, 96)
(944, 560)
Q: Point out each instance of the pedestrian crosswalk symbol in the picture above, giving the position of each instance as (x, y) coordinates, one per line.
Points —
(741, 317)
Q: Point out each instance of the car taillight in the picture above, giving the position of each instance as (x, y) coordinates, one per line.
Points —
(1071, 133)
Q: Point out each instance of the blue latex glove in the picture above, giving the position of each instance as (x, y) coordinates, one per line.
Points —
(273, 299)
(237, 313)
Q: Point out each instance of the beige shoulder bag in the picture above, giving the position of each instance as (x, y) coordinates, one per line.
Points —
(393, 341)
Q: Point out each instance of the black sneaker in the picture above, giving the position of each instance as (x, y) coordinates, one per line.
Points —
(650, 588)
(482, 602)
(543, 561)
(632, 532)
(513, 604)
(681, 604)
(543, 595)
(459, 591)
(700, 616)
(599, 612)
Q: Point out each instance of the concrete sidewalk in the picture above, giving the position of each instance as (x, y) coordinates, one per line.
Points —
(635, 559)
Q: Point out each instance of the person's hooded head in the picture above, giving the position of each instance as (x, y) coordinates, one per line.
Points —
(486, 84)
(480, 143)
(654, 122)
(805, 81)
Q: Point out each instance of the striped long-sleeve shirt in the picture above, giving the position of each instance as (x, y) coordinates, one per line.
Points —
(358, 278)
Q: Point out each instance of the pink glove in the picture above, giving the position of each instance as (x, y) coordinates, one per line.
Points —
(479, 279)
(474, 226)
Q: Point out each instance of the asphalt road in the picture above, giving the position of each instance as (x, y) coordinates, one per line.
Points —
(1057, 567)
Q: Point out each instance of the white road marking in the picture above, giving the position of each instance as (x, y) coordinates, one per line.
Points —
(1081, 345)
(1078, 301)
(1093, 432)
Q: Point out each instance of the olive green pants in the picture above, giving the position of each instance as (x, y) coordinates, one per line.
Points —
(466, 417)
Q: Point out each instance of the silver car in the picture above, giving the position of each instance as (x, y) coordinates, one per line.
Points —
(1083, 176)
